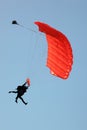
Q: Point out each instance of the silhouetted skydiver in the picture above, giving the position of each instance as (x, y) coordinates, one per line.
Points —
(20, 92)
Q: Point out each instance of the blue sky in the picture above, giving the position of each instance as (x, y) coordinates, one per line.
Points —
(53, 103)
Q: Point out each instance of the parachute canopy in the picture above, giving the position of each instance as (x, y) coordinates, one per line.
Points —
(59, 57)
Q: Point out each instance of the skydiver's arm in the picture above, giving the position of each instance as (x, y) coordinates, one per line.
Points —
(24, 84)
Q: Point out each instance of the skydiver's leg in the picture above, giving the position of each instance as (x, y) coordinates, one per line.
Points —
(16, 99)
(12, 91)
(23, 100)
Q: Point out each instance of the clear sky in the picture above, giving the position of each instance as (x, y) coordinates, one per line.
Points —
(53, 103)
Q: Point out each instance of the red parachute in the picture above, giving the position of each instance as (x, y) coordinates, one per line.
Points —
(28, 81)
(59, 57)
